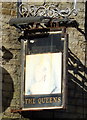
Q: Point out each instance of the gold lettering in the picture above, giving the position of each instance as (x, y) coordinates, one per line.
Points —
(59, 99)
(26, 101)
(33, 101)
(47, 100)
(43, 100)
(30, 101)
(39, 100)
(50, 99)
(54, 99)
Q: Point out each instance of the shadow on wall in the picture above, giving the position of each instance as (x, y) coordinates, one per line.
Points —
(77, 71)
(77, 93)
(77, 85)
(7, 89)
(7, 82)
(7, 55)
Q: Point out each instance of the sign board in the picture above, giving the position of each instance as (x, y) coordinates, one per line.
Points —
(43, 80)
(44, 75)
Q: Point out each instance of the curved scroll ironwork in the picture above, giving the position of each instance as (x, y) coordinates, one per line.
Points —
(51, 10)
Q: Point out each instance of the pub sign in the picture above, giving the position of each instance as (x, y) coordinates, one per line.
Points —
(44, 72)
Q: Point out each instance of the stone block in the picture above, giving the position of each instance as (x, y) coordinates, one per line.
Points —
(7, 5)
(35, 1)
(6, 11)
(13, 12)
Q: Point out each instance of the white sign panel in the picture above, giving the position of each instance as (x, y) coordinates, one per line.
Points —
(43, 73)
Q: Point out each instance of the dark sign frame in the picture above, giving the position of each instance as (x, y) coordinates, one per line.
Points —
(45, 101)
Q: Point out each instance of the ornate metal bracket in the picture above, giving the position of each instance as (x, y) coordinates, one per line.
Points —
(51, 10)
(43, 18)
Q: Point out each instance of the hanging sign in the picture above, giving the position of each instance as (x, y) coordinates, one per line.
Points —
(43, 80)
(45, 73)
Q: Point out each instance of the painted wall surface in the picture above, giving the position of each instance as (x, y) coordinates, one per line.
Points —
(11, 67)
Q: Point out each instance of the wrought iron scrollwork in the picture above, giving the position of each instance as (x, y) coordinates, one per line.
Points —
(51, 10)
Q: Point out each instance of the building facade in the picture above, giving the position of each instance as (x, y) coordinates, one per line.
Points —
(11, 66)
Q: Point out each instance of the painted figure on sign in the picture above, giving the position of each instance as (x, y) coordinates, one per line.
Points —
(43, 74)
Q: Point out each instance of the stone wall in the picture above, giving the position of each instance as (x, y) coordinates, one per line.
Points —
(77, 68)
(10, 62)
